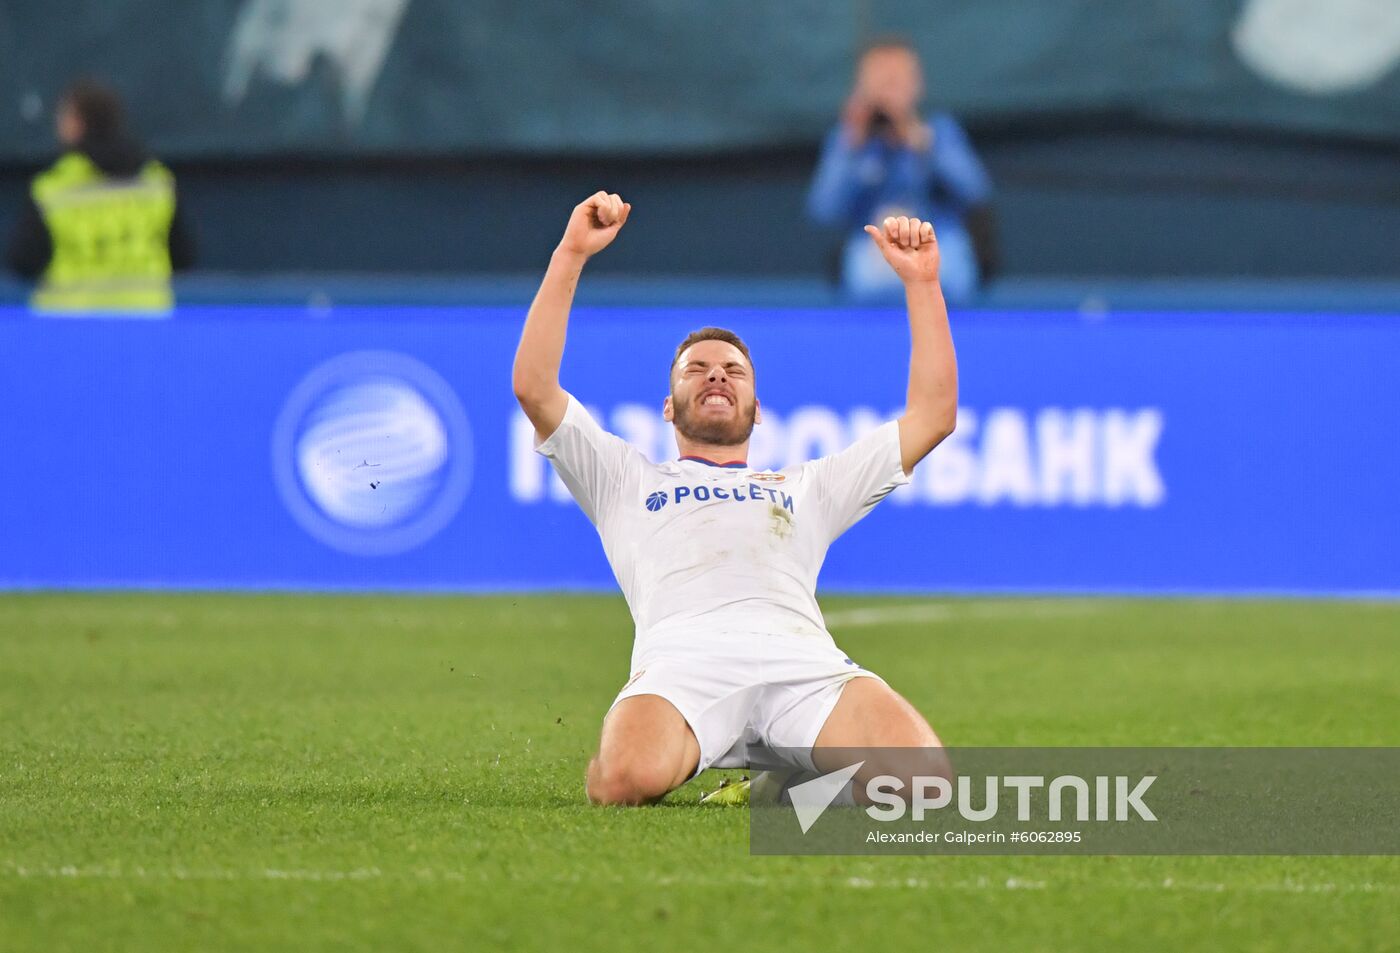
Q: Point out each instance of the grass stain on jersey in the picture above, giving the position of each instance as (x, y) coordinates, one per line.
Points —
(780, 522)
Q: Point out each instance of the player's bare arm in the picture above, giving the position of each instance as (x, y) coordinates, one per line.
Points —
(931, 406)
(592, 227)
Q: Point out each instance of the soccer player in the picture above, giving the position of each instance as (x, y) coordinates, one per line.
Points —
(719, 562)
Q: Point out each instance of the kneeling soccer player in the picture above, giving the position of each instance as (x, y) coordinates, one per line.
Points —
(719, 562)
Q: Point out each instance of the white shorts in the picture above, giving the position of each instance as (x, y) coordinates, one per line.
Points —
(764, 691)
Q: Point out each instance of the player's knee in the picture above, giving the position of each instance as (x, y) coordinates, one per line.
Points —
(627, 782)
(904, 774)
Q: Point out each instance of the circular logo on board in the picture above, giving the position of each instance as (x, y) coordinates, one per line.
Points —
(372, 453)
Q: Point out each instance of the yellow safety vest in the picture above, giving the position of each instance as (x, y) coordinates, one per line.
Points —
(111, 238)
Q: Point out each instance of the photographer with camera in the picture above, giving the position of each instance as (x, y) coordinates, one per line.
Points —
(885, 159)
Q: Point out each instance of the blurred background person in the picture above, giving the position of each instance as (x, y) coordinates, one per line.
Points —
(101, 230)
(886, 158)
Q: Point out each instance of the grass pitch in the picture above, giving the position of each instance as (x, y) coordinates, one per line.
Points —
(353, 773)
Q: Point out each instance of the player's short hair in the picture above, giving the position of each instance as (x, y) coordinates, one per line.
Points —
(711, 334)
(98, 106)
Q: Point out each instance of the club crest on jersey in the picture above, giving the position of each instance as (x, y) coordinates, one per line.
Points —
(706, 492)
(767, 477)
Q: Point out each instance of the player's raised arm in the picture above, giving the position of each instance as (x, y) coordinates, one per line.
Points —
(592, 227)
(931, 407)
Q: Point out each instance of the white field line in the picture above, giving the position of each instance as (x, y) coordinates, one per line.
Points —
(430, 875)
(945, 612)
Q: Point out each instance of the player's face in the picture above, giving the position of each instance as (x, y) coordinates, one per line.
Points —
(712, 396)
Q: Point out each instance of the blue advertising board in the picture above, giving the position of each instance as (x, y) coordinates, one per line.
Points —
(381, 448)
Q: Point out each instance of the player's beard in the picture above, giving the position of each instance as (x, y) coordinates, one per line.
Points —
(716, 433)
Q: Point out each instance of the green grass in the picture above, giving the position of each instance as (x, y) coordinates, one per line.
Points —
(350, 773)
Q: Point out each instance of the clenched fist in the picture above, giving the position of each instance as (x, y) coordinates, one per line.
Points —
(594, 223)
(910, 247)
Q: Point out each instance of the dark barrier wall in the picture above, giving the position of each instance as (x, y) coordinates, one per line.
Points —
(381, 448)
(219, 77)
(1069, 204)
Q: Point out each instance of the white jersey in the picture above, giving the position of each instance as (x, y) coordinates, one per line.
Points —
(703, 550)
